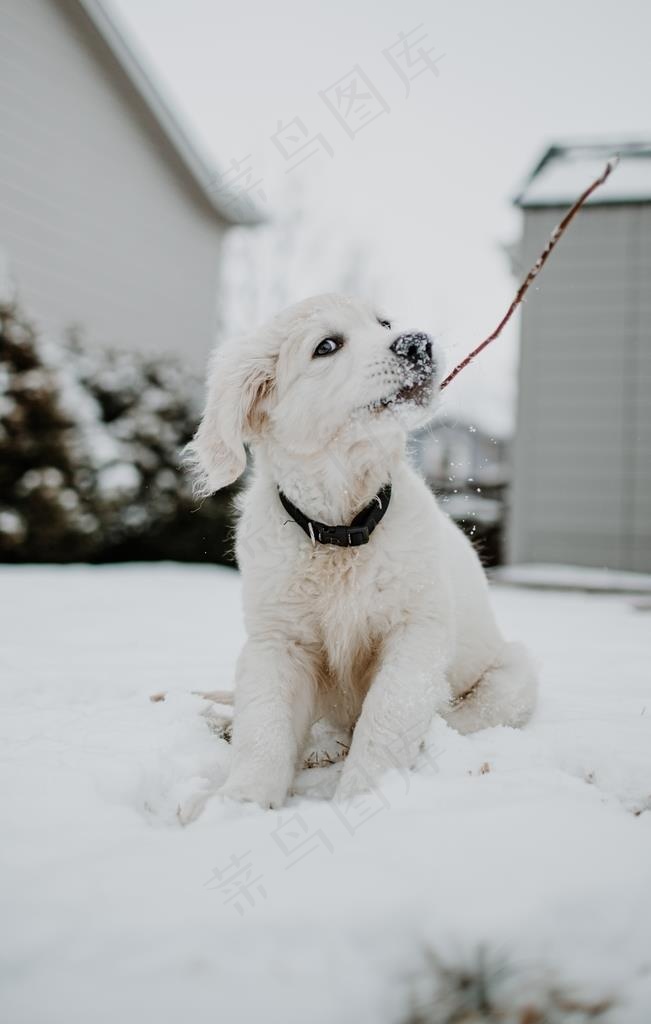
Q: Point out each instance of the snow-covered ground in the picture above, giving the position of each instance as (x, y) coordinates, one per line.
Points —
(520, 857)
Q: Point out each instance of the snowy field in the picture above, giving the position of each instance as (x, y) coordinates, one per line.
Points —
(511, 871)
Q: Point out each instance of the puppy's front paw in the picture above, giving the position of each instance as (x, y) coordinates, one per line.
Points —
(192, 806)
(352, 783)
(268, 798)
(264, 794)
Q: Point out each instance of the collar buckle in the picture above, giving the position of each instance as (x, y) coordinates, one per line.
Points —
(343, 536)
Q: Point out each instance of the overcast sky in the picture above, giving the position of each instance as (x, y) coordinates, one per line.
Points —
(416, 186)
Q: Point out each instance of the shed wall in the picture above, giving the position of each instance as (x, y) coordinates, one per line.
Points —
(582, 462)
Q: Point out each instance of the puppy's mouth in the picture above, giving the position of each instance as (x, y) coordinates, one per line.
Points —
(418, 392)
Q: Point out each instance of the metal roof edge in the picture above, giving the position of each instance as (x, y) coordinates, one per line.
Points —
(204, 175)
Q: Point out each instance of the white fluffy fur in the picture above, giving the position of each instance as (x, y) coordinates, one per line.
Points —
(376, 639)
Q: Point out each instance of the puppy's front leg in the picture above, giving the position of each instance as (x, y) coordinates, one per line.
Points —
(409, 688)
(274, 708)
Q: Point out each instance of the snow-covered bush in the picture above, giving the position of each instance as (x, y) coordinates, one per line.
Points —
(89, 455)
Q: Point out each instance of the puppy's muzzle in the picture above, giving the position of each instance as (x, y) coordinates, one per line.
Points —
(416, 349)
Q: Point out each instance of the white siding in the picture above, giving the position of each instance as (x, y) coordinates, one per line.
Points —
(582, 476)
(102, 226)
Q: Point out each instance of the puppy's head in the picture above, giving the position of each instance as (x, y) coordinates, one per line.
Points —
(329, 367)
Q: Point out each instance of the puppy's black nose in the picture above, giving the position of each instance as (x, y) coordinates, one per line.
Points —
(416, 347)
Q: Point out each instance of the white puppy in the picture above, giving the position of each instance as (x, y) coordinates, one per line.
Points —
(376, 636)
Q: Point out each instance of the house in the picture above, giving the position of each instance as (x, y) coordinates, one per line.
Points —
(110, 219)
(582, 452)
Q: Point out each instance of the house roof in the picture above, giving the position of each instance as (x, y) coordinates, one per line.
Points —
(566, 169)
(206, 176)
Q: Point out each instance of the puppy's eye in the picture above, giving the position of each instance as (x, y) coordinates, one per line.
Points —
(327, 347)
(384, 323)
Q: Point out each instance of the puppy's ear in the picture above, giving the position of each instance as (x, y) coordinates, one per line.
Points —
(241, 382)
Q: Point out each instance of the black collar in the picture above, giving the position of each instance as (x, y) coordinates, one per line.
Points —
(357, 533)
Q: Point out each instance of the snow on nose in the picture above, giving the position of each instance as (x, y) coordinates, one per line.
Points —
(415, 347)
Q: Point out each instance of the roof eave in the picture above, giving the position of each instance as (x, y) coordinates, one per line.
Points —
(226, 208)
(562, 204)
(610, 147)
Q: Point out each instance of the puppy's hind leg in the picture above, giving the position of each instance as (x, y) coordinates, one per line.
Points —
(504, 695)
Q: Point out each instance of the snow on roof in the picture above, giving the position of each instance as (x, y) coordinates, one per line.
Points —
(566, 169)
(205, 176)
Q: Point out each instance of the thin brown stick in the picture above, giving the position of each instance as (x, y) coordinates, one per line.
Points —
(556, 234)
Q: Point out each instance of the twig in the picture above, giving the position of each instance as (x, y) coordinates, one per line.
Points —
(556, 234)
